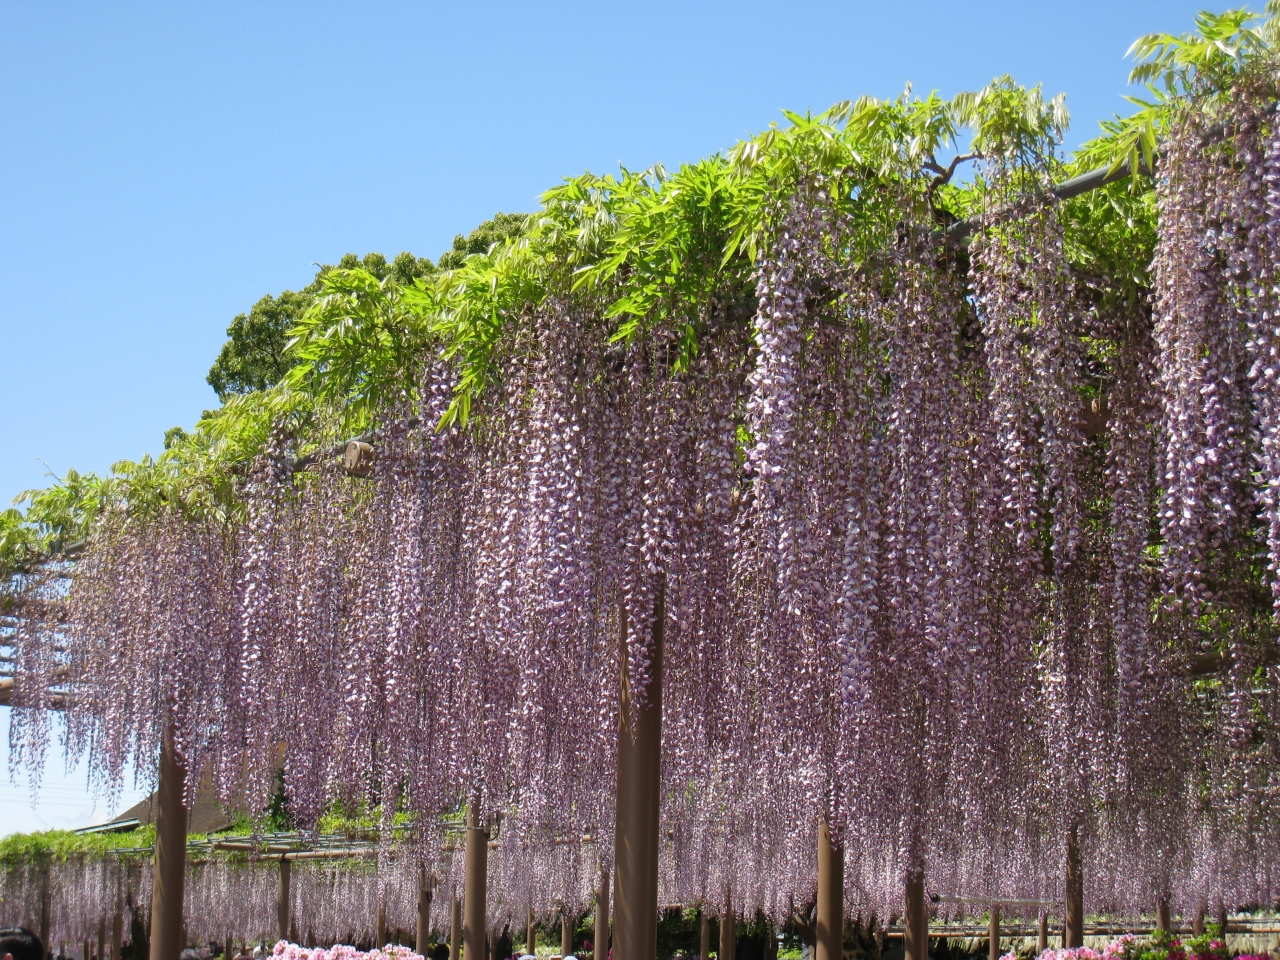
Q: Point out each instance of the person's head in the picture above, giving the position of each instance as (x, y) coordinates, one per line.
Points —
(19, 943)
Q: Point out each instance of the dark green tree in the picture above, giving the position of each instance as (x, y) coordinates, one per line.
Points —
(253, 358)
(479, 240)
(255, 355)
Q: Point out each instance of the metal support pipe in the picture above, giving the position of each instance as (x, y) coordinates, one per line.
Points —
(423, 932)
(601, 934)
(474, 892)
(566, 934)
(170, 855)
(830, 906)
(455, 930)
(993, 932)
(635, 931)
(282, 901)
(915, 921)
(728, 933)
(1073, 928)
(704, 935)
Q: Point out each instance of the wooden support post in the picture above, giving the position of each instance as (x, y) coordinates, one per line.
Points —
(381, 933)
(993, 933)
(170, 855)
(474, 893)
(227, 947)
(566, 934)
(455, 930)
(102, 938)
(1163, 921)
(704, 935)
(728, 933)
(423, 933)
(1073, 929)
(635, 928)
(916, 919)
(44, 913)
(1042, 935)
(530, 935)
(282, 900)
(1222, 921)
(1197, 925)
(601, 935)
(830, 907)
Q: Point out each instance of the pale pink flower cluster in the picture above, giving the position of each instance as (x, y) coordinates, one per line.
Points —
(1110, 951)
(341, 951)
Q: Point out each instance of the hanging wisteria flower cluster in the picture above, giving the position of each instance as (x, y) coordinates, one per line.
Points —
(77, 899)
(938, 538)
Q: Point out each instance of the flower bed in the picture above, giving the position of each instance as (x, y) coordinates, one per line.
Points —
(1159, 947)
(341, 951)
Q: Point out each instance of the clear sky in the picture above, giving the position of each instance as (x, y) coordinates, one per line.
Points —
(162, 166)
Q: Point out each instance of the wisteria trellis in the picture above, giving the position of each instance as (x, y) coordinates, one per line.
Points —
(938, 533)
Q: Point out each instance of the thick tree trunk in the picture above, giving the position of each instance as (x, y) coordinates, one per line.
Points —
(170, 856)
(1074, 920)
(728, 934)
(830, 906)
(282, 900)
(635, 931)
(473, 896)
(423, 933)
(601, 943)
(916, 919)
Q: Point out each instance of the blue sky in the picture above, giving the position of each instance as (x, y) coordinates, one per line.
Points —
(164, 166)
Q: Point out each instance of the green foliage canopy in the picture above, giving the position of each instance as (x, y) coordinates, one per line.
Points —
(669, 251)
